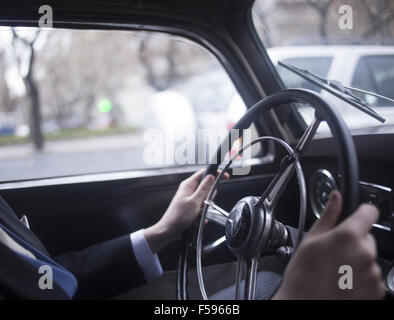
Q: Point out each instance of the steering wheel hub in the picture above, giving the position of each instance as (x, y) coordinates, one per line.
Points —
(238, 224)
(244, 226)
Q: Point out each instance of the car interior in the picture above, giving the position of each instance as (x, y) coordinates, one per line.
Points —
(71, 211)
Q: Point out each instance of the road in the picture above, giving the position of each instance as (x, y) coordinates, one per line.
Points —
(71, 157)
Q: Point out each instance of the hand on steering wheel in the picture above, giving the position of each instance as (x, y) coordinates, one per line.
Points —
(314, 271)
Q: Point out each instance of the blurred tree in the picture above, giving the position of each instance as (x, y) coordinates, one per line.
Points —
(31, 85)
(322, 7)
(79, 69)
(158, 80)
(166, 60)
(373, 20)
(380, 14)
(6, 103)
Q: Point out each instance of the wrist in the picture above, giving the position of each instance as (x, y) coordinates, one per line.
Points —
(286, 292)
(158, 236)
(279, 296)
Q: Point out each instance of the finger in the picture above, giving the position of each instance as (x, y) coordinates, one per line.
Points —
(202, 191)
(370, 247)
(374, 283)
(329, 216)
(361, 221)
(194, 180)
(226, 175)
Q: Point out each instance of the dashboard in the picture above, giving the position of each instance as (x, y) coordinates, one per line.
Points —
(376, 182)
(322, 183)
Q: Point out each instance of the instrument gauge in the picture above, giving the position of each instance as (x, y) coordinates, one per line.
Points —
(322, 183)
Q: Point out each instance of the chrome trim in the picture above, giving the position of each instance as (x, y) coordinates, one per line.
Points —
(390, 280)
(382, 227)
(251, 278)
(238, 277)
(329, 175)
(373, 185)
(216, 207)
(124, 175)
(96, 177)
(215, 217)
(212, 246)
(312, 201)
(307, 136)
(383, 188)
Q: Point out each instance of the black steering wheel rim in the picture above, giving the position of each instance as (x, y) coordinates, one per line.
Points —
(348, 162)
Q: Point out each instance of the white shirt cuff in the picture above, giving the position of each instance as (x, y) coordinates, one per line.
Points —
(148, 262)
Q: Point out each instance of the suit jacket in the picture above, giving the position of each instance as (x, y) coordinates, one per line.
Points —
(102, 270)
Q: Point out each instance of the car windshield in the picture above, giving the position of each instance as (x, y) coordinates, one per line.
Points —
(376, 74)
(317, 65)
(352, 43)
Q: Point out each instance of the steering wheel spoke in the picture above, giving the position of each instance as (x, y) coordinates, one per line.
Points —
(216, 214)
(216, 218)
(238, 277)
(213, 245)
(250, 278)
(307, 136)
(217, 208)
(278, 184)
(247, 266)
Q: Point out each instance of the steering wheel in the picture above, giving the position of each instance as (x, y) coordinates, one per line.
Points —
(251, 229)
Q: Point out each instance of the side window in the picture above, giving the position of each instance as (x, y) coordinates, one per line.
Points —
(81, 101)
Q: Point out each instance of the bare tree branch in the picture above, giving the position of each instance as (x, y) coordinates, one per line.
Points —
(322, 7)
(378, 19)
(25, 41)
(161, 82)
(378, 25)
(31, 86)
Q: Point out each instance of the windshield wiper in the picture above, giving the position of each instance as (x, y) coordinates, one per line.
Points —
(339, 90)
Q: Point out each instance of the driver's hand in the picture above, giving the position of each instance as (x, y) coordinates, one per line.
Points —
(313, 272)
(182, 212)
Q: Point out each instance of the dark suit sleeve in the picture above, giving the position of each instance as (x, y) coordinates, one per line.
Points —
(104, 269)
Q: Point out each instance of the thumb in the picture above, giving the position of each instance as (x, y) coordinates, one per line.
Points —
(329, 216)
(202, 191)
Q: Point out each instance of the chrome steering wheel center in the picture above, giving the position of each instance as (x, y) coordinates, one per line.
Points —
(238, 224)
(244, 227)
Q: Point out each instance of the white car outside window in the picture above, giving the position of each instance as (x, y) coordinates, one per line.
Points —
(346, 64)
